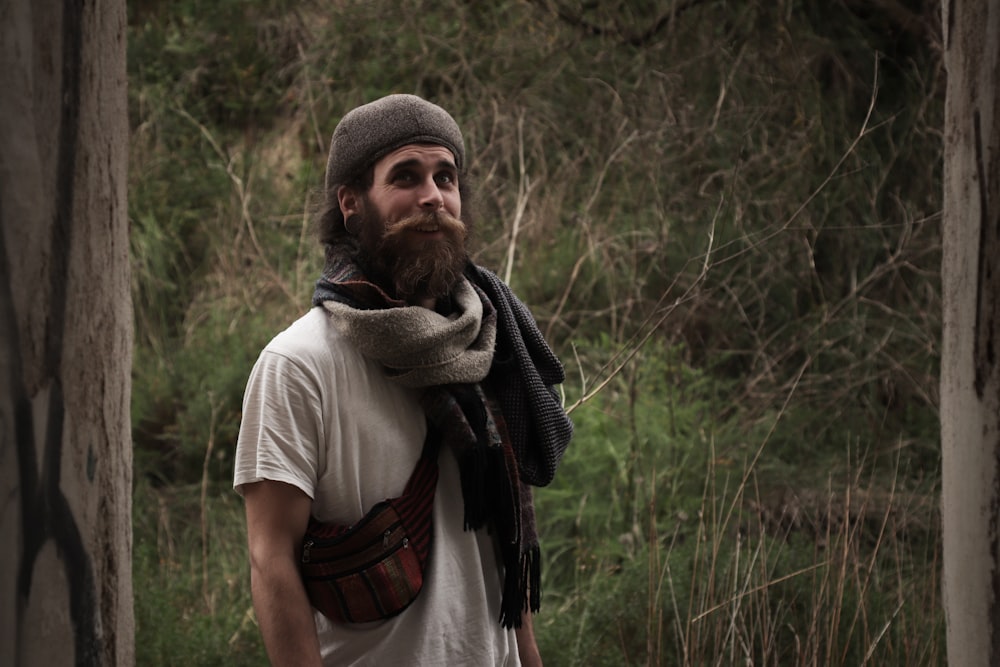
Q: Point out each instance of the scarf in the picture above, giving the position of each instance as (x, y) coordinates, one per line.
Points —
(486, 374)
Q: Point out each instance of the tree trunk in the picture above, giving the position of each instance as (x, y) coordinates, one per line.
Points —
(970, 367)
(65, 336)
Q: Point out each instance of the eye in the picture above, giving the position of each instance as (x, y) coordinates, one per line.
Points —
(445, 178)
(404, 176)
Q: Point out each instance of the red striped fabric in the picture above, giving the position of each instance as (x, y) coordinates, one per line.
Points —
(374, 568)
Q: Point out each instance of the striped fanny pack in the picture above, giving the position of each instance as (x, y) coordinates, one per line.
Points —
(373, 569)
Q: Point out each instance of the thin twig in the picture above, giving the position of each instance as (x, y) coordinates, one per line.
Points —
(758, 589)
(862, 133)
(243, 194)
(204, 495)
(524, 188)
(653, 322)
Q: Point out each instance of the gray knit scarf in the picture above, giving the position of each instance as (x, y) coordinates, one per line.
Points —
(422, 348)
(483, 396)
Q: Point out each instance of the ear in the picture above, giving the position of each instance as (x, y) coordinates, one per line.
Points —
(349, 201)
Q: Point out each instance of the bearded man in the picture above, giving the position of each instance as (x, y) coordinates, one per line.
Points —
(390, 435)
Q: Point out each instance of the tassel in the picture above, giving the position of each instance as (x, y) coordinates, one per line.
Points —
(534, 569)
(522, 588)
(472, 470)
(513, 593)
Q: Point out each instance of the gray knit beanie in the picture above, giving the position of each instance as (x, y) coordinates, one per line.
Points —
(374, 130)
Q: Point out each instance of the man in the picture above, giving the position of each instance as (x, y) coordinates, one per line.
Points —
(411, 354)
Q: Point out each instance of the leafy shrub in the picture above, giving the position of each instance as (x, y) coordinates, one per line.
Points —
(192, 594)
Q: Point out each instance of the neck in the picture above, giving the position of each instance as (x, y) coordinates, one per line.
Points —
(424, 302)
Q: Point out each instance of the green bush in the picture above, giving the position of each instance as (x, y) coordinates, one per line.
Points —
(192, 581)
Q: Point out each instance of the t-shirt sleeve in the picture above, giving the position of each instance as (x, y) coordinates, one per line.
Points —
(281, 428)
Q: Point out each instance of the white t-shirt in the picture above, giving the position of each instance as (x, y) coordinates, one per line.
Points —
(322, 417)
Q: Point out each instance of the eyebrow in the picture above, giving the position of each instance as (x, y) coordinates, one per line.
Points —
(413, 162)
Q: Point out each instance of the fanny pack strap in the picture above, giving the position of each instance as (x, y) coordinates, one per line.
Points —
(416, 504)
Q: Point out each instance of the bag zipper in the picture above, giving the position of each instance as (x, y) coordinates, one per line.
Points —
(386, 537)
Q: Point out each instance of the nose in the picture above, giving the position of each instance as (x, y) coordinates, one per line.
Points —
(430, 196)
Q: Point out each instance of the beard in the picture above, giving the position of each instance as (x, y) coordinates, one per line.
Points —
(411, 267)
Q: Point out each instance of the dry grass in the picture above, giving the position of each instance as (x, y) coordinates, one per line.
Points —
(841, 575)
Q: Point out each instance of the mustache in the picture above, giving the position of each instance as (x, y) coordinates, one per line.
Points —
(429, 221)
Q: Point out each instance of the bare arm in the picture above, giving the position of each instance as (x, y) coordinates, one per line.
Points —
(527, 648)
(277, 516)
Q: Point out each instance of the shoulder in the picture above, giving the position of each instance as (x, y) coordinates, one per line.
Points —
(304, 337)
(313, 350)
(311, 340)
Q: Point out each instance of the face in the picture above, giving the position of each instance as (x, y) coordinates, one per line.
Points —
(410, 230)
(415, 179)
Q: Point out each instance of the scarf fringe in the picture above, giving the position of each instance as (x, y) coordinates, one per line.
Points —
(531, 573)
(522, 589)
(472, 471)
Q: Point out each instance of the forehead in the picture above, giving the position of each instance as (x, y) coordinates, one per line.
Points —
(425, 154)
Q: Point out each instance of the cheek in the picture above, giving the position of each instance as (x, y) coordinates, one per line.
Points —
(453, 204)
(399, 206)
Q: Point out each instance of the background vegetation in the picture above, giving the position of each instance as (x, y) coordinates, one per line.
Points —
(724, 214)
